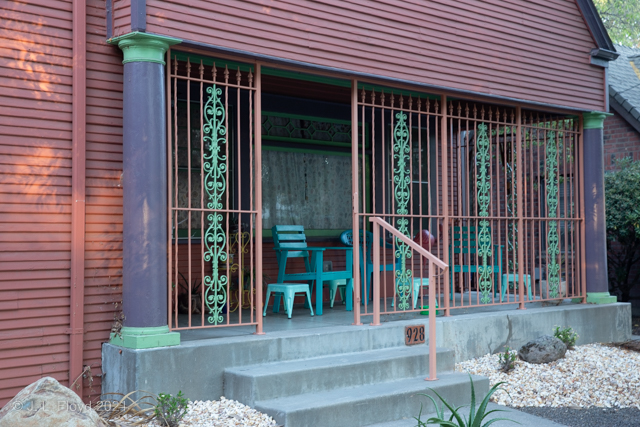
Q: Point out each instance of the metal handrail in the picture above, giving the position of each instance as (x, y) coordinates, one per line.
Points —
(377, 223)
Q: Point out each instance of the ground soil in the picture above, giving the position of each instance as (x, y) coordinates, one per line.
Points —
(588, 417)
(635, 325)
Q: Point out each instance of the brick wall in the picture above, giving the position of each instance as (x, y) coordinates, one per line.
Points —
(620, 140)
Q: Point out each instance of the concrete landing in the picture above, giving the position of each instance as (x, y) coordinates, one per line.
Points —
(525, 420)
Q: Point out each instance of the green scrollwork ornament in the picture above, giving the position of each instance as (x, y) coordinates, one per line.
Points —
(484, 198)
(402, 182)
(214, 166)
(553, 275)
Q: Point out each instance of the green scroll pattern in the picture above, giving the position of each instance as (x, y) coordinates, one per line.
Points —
(484, 197)
(402, 181)
(553, 274)
(215, 239)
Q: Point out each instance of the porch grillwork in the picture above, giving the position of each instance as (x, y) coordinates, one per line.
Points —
(492, 192)
(498, 189)
(212, 247)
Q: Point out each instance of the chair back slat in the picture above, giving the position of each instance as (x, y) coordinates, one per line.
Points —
(290, 237)
(464, 240)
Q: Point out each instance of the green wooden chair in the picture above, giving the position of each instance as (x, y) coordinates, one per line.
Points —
(291, 242)
(366, 262)
(463, 243)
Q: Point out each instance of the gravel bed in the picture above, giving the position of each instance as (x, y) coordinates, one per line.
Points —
(590, 375)
(594, 385)
(217, 413)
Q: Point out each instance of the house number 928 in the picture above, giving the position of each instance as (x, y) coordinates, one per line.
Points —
(414, 334)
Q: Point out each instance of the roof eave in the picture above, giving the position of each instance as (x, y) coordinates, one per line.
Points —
(605, 47)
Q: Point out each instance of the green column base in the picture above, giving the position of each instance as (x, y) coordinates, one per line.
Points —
(139, 338)
(601, 298)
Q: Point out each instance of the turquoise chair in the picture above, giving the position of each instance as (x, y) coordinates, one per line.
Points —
(291, 242)
(366, 264)
(513, 278)
(463, 244)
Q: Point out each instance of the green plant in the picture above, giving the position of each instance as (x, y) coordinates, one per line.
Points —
(475, 417)
(566, 335)
(507, 359)
(171, 409)
(622, 209)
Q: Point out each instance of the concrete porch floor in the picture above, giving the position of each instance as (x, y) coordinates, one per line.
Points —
(339, 316)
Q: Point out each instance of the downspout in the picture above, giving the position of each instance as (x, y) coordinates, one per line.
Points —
(78, 153)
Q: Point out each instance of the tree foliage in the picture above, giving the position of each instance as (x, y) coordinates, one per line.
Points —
(621, 18)
(622, 190)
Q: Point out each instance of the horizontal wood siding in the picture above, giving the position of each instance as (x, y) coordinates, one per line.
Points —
(103, 231)
(121, 17)
(35, 192)
(534, 51)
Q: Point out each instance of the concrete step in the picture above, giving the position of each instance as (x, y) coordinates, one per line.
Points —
(249, 384)
(371, 403)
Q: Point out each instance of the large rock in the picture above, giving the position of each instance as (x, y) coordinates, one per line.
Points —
(543, 350)
(46, 403)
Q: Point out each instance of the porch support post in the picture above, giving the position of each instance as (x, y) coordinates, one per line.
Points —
(595, 223)
(144, 287)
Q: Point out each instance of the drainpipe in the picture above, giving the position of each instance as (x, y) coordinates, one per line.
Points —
(79, 106)
(594, 207)
(144, 245)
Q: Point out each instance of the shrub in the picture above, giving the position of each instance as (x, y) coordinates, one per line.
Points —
(171, 409)
(475, 417)
(507, 360)
(622, 207)
(566, 335)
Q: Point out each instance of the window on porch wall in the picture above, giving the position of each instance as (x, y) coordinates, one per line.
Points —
(306, 171)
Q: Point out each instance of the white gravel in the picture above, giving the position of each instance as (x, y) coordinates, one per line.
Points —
(590, 375)
(219, 413)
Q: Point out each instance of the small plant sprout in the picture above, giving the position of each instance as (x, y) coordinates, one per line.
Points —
(171, 409)
(507, 359)
(566, 335)
(476, 417)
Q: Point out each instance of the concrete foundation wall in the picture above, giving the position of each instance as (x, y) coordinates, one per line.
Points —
(197, 367)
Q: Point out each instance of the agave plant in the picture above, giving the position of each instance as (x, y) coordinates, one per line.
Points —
(456, 419)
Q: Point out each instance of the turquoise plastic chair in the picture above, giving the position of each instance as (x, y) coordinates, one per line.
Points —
(288, 292)
(366, 265)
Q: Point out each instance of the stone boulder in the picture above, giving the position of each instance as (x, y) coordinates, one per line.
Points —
(46, 403)
(543, 350)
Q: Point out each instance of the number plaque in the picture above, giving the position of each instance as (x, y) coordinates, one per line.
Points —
(414, 334)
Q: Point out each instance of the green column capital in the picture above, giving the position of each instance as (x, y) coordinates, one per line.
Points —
(594, 119)
(143, 47)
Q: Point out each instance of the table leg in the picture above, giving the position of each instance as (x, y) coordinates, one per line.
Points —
(319, 287)
(349, 292)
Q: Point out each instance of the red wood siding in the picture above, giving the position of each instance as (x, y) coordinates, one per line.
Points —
(35, 192)
(534, 51)
(103, 231)
(121, 17)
